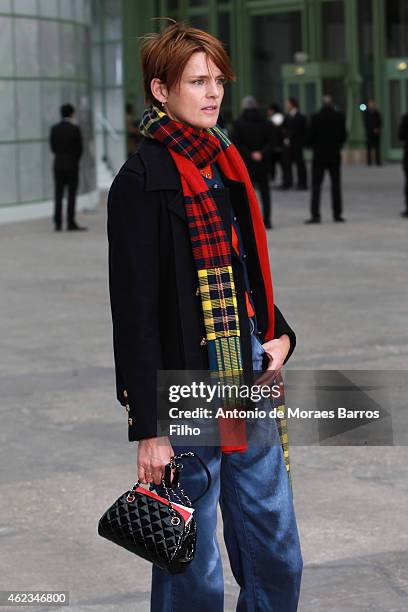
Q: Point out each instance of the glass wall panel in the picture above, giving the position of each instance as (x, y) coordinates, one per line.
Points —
(25, 7)
(48, 8)
(275, 40)
(51, 67)
(47, 172)
(8, 174)
(7, 110)
(113, 64)
(51, 101)
(49, 49)
(6, 66)
(66, 10)
(396, 19)
(68, 49)
(29, 109)
(83, 45)
(333, 34)
(114, 108)
(26, 49)
(97, 77)
(31, 180)
(5, 6)
(113, 24)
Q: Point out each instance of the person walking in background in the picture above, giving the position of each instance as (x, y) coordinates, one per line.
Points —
(66, 144)
(294, 132)
(132, 130)
(252, 134)
(327, 135)
(276, 117)
(403, 136)
(372, 124)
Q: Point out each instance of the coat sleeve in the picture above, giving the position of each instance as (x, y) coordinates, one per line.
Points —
(282, 327)
(133, 237)
(403, 129)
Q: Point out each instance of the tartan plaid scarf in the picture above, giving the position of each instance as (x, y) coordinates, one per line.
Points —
(193, 149)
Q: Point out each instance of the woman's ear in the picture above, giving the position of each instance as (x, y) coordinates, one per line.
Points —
(159, 90)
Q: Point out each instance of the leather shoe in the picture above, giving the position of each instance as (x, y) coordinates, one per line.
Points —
(339, 220)
(74, 227)
(57, 228)
(313, 220)
(268, 224)
(404, 213)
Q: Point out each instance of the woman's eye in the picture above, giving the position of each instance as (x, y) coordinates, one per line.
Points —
(198, 82)
(221, 81)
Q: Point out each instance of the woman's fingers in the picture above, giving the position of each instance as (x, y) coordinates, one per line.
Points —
(141, 475)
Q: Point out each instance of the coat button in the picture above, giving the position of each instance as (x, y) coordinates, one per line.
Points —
(203, 341)
(198, 291)
(125, 393)
(130, 422)
(127, 408)
(234, 218)
(244, 256)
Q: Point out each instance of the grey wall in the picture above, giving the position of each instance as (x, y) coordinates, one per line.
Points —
(44, 62)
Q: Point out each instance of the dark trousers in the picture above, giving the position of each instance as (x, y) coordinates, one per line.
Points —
(260, 180)
(373, 143)
(405, 168)
(64, 178)
(319, 167)
(292, 156)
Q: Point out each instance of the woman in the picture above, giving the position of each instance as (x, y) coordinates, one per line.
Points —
(190, 289)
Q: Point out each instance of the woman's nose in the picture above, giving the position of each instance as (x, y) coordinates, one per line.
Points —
(212, 89)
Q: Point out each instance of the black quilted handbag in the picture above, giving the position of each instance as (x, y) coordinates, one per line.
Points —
(151, 528)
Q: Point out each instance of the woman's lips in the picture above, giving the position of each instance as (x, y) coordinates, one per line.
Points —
(210, 109)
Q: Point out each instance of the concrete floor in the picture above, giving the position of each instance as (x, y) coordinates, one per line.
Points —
(64, 450)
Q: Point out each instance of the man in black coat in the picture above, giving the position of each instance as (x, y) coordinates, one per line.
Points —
(372, 124)
(327, 135)
(66, 144)
(253, 136)
(403, 136)
(294, 130)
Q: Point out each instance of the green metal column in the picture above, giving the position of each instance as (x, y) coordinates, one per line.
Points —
(380, 73)
(313, 36)
(241, 52)
(353, 78)
(137, 21)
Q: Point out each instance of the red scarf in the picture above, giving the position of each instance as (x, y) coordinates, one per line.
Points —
(193, 149)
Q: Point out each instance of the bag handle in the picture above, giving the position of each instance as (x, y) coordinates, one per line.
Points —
(176, 478)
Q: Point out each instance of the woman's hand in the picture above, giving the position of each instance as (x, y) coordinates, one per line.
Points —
(152, 455)
(277, 351)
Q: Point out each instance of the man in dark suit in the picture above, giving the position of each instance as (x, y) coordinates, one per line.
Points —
(66, 144)
(294, 129)
(372, 124)
(327, 135)
(403, 136)
(253, 136)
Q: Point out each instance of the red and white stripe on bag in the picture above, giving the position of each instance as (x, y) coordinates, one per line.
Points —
(185, 512)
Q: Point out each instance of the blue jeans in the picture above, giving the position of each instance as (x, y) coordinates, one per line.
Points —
(260, 532)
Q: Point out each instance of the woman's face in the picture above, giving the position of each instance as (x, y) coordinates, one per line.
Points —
(196, 100)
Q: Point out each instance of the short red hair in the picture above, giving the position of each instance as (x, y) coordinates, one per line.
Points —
(164, 55)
